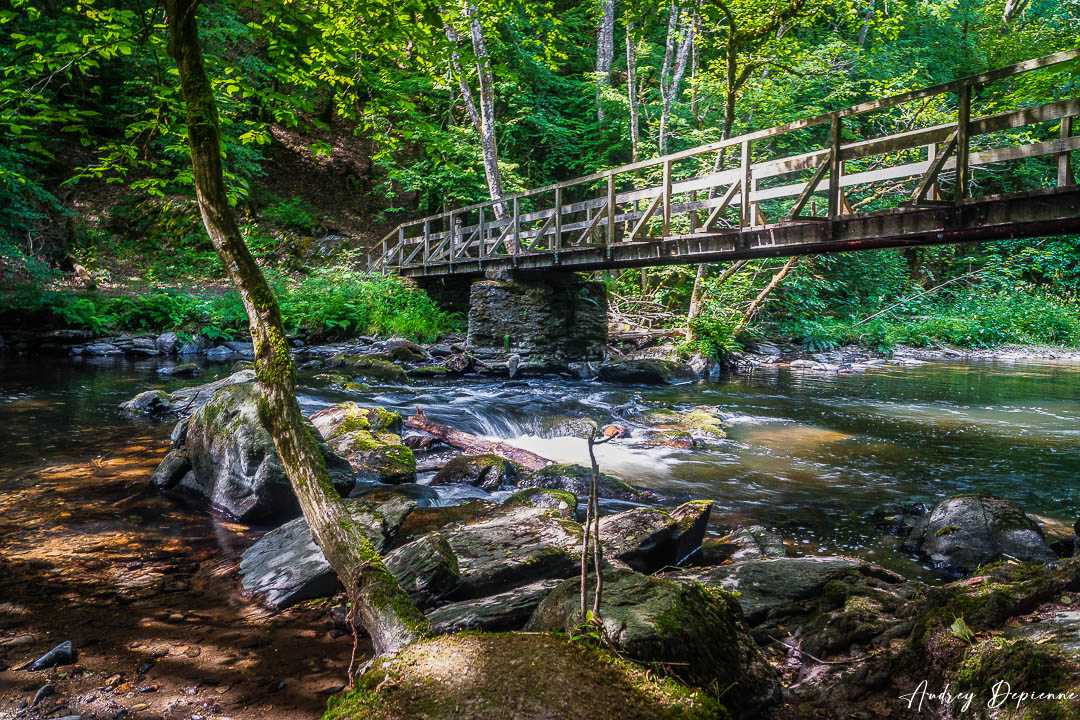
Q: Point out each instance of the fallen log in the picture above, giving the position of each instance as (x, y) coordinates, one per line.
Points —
(475, 445)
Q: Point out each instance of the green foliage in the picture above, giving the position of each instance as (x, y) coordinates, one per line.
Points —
(293, 214)
(331, 302)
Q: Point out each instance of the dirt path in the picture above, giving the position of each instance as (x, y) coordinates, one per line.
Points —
(145, 591)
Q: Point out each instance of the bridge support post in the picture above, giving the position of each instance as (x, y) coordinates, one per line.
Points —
(548, 321)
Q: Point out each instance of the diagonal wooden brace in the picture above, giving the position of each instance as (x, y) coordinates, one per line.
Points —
(919, 196)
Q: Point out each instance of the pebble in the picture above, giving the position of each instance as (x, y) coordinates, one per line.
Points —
(138, 707)
(145, 668)
(276, 686)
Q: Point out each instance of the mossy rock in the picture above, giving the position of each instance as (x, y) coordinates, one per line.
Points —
(686, 629)
(389, 463)
(694, 424)
(488, 472)
(427, 371)
(525, 676)
(577, 480)
(562, 502)
(375, 366)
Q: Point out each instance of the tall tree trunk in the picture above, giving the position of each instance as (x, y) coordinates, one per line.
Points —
(605, 52)
(631, 92)
(385, 610)
(455, 67)
(487, 112)
(676, 52)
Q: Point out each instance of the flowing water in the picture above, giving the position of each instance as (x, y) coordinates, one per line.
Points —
(809, 455)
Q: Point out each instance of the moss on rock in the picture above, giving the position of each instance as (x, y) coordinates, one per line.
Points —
(526, 676)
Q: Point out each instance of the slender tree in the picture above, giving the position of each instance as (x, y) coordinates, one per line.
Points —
(605, 52)
(680, 35)
(632, 91)
(384, 609)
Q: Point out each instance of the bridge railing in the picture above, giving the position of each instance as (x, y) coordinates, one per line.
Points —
(694, 192)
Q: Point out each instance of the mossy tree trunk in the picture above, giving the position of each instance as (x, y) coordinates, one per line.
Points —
(382, 607)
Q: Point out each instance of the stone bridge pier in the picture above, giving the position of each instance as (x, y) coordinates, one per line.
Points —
(548, 320)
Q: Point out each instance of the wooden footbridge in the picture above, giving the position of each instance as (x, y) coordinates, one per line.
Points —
(744, 197)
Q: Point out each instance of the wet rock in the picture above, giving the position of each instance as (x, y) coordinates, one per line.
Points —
(459, 364)
(441, 350)
(196, 345)
(234, 465)
(166, 343)
(746, 543)
(244, 349)
(699, 632)
(899, 519)
(151, 402)
(562, 503)
(426, 371)
(368, 437)
(102, 349)
(648, 372)
(182, 370)
(768, 584)
(374, 366)
(285, 566)
(378, 493)
(174, 466)
(504, 612)
(488, 472)
(697, 424)
(966, 531)
(62, 654)
(144, 346)
(404, 350)
(421, 442)
(426, 568)
(221, 351)
(648, 539)
(579, 427)
(576, 479)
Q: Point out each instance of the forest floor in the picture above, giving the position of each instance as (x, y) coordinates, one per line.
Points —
(153, 610)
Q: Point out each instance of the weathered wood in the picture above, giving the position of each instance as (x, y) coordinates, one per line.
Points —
(1065, 172)
(835, 166)
(475, 445)
(811, 187)
(963, 144)
(918, 197)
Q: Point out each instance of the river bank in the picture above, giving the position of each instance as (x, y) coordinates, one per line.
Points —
(781, 463)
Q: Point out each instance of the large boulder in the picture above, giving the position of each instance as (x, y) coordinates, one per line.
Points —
(648, 539)
(515, 675)
(426, 568)
(151, 402)
(699, 633)
(488, 472)
(648, 372)
(234, 467)
(285, 566)
(966, 531)
(515, 545)
(369, 438)
(577, 479)
(766, 585)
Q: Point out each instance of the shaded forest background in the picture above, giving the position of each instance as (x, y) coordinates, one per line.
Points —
(343, 118)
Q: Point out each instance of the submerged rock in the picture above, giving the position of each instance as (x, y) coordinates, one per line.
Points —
(515, 675)
(698, 632)
(679, 429)
(577, 480)
(151, 402)
(966, 531)
(648, 372)
(369, 438)
(234, 466)
(488, 472)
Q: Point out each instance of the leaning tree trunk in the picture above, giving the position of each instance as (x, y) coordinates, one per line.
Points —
(385, 610)
(605, 52)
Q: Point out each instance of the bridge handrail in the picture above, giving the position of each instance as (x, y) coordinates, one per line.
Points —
(832, 156)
